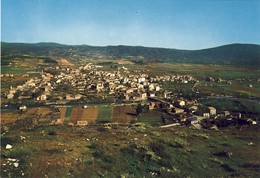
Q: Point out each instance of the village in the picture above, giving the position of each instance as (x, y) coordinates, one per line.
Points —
(89, 84)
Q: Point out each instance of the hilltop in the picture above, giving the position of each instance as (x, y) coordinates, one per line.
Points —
(234, 54)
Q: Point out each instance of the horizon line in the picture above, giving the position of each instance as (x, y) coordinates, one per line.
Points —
(235, 43)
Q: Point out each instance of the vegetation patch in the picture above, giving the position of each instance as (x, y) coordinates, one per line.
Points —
(104, 114)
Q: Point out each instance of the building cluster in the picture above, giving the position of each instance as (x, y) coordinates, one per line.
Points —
(187, 112)
(90, 80)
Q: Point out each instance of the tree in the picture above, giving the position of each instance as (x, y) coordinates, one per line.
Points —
(139, 109)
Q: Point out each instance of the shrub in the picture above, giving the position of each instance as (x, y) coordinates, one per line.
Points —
(52, 133)
(8, 140)
(18, 153)
(158, 148)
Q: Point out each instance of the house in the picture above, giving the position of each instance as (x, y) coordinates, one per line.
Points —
(126, 97)
(226, 113)
(206, 115)
(143, 95)
(23, 108)
(140, 86)
(12, 90)
(77, 96)
(152, 105)
(42, 97)
(180, 103)
(10, 96)
(151, 87)
(99, 86)
(82, 123)
(178, 110)
(212, 111)
(152, 95)
(142, 79)
(193, 109)
(69, 97)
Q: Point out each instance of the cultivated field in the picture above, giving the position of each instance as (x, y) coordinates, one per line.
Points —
(9, 118)
(124, 114)
(104, 113)
(84, 114)
(62, 115)
(153, 118)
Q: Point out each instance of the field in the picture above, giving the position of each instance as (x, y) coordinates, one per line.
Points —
(104, 114)
(43, 114)
(84, 114)
(67, 114)
(124, 114)
(153, 118)
(62, 112)
(10, 69)
(9, 118)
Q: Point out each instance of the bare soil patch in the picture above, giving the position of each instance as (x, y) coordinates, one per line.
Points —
(124, 62)
(64, 62)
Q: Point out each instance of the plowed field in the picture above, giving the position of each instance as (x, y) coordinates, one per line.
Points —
(84, 114)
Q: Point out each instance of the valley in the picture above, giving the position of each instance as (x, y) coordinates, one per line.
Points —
(85, 112)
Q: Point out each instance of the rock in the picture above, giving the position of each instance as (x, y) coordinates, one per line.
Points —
(16, 164)
(250, 143)
(8, 146)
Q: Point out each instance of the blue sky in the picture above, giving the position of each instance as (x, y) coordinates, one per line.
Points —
(181, 24)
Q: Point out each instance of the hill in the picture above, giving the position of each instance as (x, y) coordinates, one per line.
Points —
(235, 54)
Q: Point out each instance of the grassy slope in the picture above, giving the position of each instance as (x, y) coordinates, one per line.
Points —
(131, 152)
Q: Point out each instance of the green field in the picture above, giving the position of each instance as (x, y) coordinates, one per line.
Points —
(9, 69)
(67, 114)
(104, 114)
(153, 118)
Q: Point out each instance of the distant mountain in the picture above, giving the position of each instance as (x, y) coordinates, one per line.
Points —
(235, 54)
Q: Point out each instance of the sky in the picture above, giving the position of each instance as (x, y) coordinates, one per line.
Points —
(180, 24)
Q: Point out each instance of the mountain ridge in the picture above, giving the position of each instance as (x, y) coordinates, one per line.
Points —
(237, 53)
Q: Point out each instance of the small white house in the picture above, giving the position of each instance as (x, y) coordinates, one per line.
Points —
(82, 123)
(206, 115)
(23, 108)
(212, 111)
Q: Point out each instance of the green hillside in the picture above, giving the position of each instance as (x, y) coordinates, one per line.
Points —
(235, 54)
